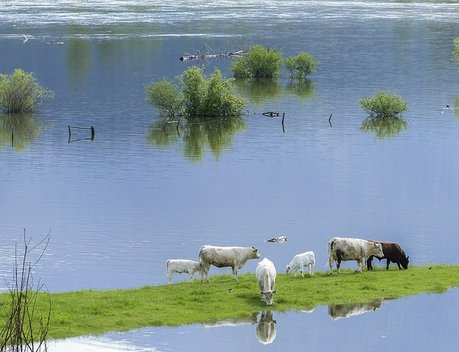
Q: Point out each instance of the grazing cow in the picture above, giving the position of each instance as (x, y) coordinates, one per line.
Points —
(393, 253)
(266, 328)
(300, 262)
(346, 310)
(181, 266)
(235, 257)
(266, 277)
(340, 249)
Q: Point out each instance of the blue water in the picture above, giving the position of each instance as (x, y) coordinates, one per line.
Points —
(117, 207)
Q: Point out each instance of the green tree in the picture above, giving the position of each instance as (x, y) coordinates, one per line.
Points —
(166, 97)
(258, 62)
(199, 97)
(301, 65)
(384, 104)
(21, 92)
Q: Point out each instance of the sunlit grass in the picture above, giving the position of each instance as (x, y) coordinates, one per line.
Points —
(96, 312)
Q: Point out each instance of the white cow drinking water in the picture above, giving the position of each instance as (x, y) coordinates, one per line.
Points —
(181, 266)
(234, 257)
(340, 249)
(266, 277)
(302, 261)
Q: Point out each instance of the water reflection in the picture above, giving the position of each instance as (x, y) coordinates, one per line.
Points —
(249, 320)
(261, 91)
(19, 130)
(258, 91)
(302, 88)
(384, 127)
(266, 328)
(340, 311)
(214, 135)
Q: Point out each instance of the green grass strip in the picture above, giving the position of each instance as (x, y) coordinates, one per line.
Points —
(96, 312)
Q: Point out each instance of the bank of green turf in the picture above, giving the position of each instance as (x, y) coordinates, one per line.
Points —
(95, 312)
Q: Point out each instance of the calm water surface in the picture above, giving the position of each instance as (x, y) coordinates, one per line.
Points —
(120, 205)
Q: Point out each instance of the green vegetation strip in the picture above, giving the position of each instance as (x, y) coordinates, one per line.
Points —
(96, 312)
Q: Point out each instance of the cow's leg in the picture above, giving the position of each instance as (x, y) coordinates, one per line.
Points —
(338, 264)
(399, 266)
(387, 264)
(302, 271)
(234, 272)
(169, 279)
(330, 264)
(369, 265)
(190, 276)
(360, 264)
(311, 270)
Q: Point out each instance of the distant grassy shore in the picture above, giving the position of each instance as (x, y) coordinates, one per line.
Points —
(95, 312)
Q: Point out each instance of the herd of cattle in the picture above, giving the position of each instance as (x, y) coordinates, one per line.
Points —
(339, 249)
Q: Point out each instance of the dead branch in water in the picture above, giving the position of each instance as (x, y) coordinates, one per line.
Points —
(212, 56)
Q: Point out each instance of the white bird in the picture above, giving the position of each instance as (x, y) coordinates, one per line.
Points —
(26, 38)
(279, 239)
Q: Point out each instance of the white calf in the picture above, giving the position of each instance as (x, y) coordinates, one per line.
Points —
(181, 266)
(300, 262)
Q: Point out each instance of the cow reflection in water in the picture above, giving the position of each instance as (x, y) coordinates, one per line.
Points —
(249, 320)
(266, 328)
(339, 311)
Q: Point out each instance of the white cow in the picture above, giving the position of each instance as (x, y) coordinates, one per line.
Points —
(234, 257)
(340, 249)
(181, 266)
(266, 277)
(300, 262)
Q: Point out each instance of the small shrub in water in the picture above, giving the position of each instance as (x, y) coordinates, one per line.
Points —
(199, 96)
(258, 62)
(166, 97)
(456, 49)
(301, 65)
(384, 104)
(21, 92)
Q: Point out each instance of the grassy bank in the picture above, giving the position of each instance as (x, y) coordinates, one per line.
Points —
(95, 312)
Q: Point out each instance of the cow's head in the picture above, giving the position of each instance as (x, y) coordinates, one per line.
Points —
(268, 297)
(255, 254)
(376, 249)
(287, 270)
(404, 260)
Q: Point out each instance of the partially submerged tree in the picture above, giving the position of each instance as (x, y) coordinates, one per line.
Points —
(456, 49)
(258, 62)
(199, 97)
(301, 65)
(384, 104)
(166, 97)
(21, 92)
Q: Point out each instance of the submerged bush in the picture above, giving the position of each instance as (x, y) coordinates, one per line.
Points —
(301, 65)
(198, 97)
(166, 97)
(384, 104)
(21, 92)
(384, 127)
(258, 62)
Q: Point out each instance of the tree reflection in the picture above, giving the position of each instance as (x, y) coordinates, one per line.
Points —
(258, 91)
(261, 91)
(384, 127)
(302, 88)
(339, 311)
(215, 135)
(19, 130)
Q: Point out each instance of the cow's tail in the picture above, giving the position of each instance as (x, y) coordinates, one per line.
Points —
(330, 250)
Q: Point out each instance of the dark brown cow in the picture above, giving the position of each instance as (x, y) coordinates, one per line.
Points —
(393, 253)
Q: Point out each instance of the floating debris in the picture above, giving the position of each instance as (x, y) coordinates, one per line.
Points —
(279, 239)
